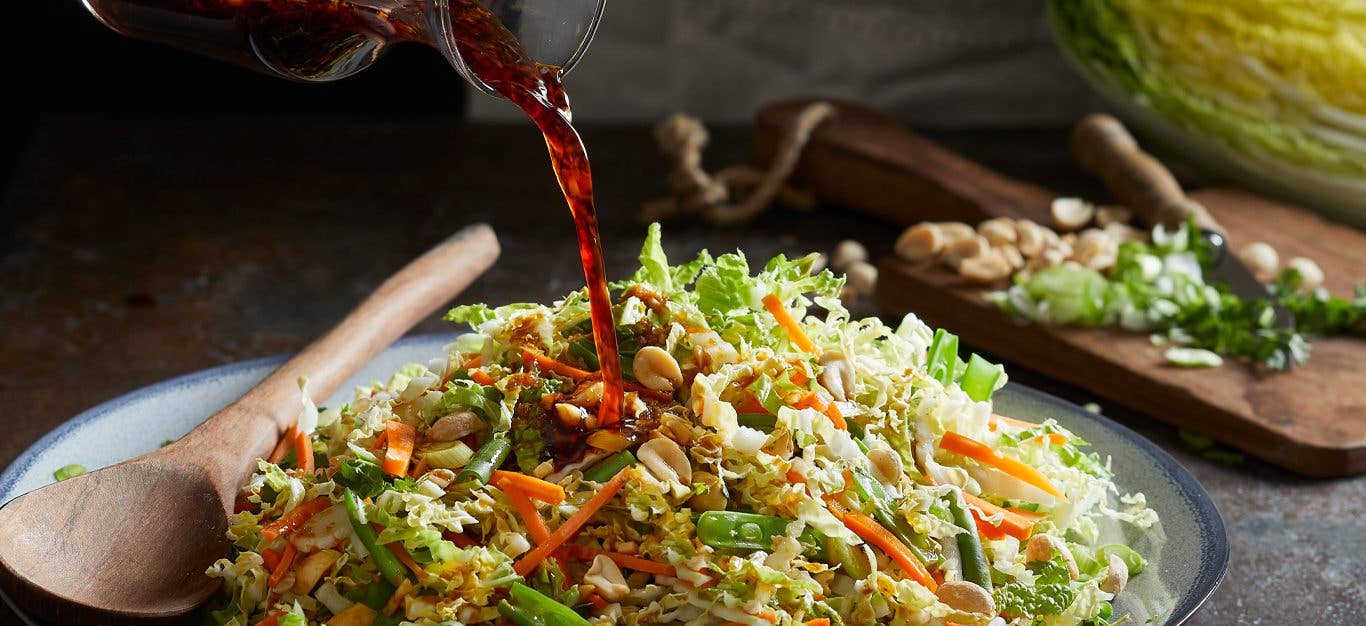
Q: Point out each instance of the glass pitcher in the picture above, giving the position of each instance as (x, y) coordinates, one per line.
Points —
(325, 40)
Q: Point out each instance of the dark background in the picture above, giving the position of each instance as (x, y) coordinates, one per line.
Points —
(69, 62)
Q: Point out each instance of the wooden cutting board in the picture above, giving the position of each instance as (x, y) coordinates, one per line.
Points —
(1311, 420)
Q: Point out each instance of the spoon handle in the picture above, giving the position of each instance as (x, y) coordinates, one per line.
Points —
(227, 444)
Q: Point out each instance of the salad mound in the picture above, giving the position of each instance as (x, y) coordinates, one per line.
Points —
(777, 462)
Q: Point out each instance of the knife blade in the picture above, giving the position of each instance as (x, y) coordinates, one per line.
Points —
(1138, 180)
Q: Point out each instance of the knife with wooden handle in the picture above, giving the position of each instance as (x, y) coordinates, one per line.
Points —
(1139, 181)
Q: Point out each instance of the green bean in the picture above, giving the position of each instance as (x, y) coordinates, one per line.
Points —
(388, 564)
(488, 458)
(750, 531)
(871, 490)
(529, 607)
(854, 561)
(974, 560)
(518, 616)
(757, 421)
(68, 471)
(604, 470)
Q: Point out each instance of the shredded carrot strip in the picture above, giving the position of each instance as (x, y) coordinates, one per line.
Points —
(795, 478)
(545, 491)
(282, 568)
(551, 365)
(475, 362)
(767, 615)
(997, 420)
(973, 449)
(401, 438)
(535, 526)
(820, 621)
(628, 561)
(597, 601)
(1050, 439)
(814, 400)
(794, 330)
(874, 533)
(295, 518)
(381, 440)
(799, 378)
(1017, 523)
(270, 559)
(481, 377)
(303, 446)
(986, 529)
(571, 526)
(282, 447)
(406, 559)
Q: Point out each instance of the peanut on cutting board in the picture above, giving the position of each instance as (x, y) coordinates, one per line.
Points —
(997, 249)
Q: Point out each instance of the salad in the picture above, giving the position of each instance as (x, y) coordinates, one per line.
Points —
(777, 463)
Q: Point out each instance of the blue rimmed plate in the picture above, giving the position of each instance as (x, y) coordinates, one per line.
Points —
(1188, 554)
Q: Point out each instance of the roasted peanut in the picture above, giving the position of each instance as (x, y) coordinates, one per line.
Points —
(1116, 577)
(711, 352)
(657, 369)
(862, 278)
(607, 578)
(1070, 214)
(985, 269)
(666, 461)
(1011, 255)
(837, 374)
(1095, 249)
(998, 231)
(922, 241)
(1042, 548)
(966, 596)
(955, 231)
(454, 426)
(1310, 272)
(570, 415)
(1261, 259)
(1113, 214)
(966, 248)
(1029, 237)
(887, 465)
(848, 252)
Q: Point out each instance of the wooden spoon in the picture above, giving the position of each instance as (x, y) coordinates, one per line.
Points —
(129, 543)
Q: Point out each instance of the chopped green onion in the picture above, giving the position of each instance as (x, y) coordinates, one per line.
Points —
(68, 471)
(942, 358)
(979, 381)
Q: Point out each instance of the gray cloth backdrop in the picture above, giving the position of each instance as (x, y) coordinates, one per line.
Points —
(931, 62)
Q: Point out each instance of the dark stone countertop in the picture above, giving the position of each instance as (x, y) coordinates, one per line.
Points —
(136, 250)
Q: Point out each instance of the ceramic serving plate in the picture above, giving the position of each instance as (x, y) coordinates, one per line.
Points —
(1188, 553)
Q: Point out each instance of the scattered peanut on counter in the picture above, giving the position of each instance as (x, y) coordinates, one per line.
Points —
(851, 258)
